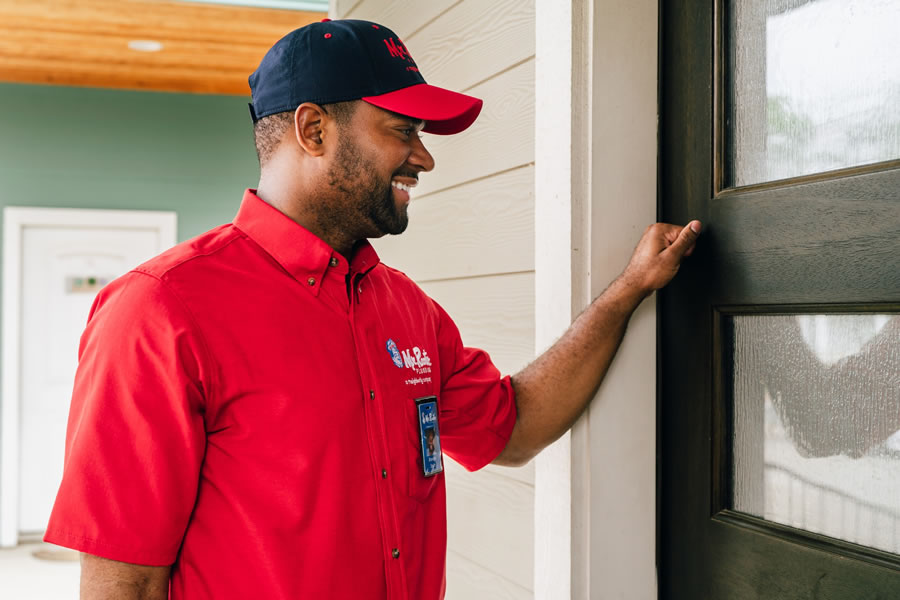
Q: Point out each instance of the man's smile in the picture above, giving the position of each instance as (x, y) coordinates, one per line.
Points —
(402, 186)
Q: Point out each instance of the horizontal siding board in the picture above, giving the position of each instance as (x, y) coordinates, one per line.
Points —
(473, 41)
(523, 474)
(467, 580)
(495, 313)
(481, 228)
(343, 8)
(489, 521)
(403, 17)
(461, 42)
(501, 139)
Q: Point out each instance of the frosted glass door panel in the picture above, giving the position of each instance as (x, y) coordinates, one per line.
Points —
(817, 424)
(815, 86)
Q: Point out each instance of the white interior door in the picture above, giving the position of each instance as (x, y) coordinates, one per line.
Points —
(63, 269)
(55, 262)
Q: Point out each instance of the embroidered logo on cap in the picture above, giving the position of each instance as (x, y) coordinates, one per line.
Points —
(397, 49)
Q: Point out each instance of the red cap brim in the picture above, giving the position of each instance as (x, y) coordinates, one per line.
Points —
(443, 111)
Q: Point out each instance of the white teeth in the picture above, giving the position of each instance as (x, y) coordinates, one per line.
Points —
(401, 186)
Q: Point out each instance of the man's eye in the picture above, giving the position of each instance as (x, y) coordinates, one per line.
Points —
(408, 131)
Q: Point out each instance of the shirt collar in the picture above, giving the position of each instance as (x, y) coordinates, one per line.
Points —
(302, 254)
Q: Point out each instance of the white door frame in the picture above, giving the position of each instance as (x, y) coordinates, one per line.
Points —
(562, 281)
(595, 119)
(16, 219)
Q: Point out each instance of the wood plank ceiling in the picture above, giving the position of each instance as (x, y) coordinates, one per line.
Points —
(205, 48)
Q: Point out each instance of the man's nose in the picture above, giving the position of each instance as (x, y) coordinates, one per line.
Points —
(420, 156)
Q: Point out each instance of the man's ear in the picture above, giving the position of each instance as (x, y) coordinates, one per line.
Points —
(309, 121)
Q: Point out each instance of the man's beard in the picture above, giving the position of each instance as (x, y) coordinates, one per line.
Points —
(366, 196)
(384, 212)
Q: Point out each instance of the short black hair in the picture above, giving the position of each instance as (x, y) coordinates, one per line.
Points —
(269, 131)
(342, 112)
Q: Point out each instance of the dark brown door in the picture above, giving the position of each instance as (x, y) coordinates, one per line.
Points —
(779, 403)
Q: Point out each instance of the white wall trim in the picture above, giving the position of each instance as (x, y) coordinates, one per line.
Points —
(595, 151)
(16, 219)
(623, 415)
(562, 280)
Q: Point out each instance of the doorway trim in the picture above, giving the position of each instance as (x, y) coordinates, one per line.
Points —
(15, 220)
(596, 118)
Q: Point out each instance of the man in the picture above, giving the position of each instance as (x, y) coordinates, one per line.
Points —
(217, 383)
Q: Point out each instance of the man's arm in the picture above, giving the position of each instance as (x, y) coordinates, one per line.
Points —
(553, 391)
(104, 579)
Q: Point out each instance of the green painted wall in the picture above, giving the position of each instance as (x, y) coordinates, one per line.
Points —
(93, 148)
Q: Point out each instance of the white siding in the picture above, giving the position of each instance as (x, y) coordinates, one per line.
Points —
(470, 244)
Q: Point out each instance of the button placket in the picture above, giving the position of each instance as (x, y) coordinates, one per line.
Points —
(386, 496)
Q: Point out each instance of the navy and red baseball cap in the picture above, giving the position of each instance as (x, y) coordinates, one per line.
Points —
(348, 59)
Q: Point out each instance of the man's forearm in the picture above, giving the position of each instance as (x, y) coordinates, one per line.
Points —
(553, 391)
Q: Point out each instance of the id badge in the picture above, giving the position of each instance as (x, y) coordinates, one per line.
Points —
(429, 435)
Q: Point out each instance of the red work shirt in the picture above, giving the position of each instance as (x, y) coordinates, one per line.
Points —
(244, 410)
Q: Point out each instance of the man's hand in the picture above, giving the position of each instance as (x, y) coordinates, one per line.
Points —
(658, 255)
(554, 390)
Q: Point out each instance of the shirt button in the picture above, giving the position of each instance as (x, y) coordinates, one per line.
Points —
(384, 473)
(334, 262)
(396, 553)
(371, 394)
(311, 281)
(359, 289)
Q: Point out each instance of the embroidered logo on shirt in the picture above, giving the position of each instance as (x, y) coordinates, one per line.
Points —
(417, 359)
(395, 353)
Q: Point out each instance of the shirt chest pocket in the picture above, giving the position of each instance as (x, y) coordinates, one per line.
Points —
(410, 375)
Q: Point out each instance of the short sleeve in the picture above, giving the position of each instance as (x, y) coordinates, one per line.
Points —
(136, 437)
(477, 405)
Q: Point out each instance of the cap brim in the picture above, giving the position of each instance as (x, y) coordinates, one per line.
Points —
(443, 111)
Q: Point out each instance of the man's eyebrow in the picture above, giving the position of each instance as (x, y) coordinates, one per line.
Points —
(418, 124)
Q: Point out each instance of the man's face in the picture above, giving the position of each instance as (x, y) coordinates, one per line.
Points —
(377, 161)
